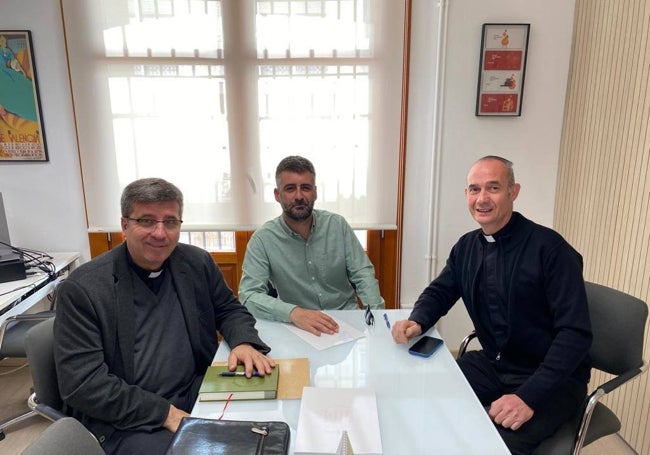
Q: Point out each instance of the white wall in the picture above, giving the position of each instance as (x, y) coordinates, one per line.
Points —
(531, 141)
(43, 201)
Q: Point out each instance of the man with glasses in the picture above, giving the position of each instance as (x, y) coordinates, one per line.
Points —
(312, 258)
(137, 327)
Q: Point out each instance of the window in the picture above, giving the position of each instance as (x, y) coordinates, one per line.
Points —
(212, 94)
(224, 241)
(211, 241)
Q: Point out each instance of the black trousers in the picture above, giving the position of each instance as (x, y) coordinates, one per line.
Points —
(138, 442)
(134, 442)
(490, 384)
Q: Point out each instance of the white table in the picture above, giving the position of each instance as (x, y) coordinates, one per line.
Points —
(425, 405)
(16, 297)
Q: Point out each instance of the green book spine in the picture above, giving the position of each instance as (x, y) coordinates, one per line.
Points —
(218, 388)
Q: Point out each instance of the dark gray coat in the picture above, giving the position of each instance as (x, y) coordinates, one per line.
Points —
(94, 334)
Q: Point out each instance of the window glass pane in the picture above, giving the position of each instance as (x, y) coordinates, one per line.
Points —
(220, 241)
(317, 111)
(309, 28)
(363, 238)
(164, 28)
(159, 131)
(213, 241)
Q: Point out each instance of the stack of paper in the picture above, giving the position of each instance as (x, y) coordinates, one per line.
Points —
(345, 334)
(326, 413)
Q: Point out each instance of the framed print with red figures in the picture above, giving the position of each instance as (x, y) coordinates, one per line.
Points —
(21, 128)
(502, 69)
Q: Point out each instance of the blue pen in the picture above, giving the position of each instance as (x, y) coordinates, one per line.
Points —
(237, 373)
(387, 321)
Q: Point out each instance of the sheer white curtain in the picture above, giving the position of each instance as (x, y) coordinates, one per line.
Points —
(212, 94)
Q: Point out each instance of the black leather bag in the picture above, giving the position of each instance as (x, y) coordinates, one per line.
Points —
(197, 436)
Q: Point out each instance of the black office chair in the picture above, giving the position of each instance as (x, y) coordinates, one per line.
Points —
(618, 325)
(45, 400)
(66, 436)
(14, 329)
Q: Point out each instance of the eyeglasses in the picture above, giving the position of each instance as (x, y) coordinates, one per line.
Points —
(150, 224)
(370, 318)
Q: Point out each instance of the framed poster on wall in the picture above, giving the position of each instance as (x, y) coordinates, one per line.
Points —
(502, 69)
(21, 128)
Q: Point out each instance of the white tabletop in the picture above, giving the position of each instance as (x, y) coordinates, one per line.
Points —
(425, 405)
(11, 292)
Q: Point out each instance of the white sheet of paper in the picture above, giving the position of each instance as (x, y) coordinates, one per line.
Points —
(345, 334)
(326, 412)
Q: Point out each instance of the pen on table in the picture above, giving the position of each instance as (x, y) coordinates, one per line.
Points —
(387, 321)
(237, 373)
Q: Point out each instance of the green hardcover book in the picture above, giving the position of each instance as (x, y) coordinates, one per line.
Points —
(216, 387)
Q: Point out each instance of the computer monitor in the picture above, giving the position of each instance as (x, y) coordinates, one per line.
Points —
(6, 253)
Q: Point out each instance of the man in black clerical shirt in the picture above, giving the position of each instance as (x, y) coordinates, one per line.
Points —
(523, 288)
(137, 327)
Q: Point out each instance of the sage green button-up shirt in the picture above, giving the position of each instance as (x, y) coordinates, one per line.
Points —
(320, 273)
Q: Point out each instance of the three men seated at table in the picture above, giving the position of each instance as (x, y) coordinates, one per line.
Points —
(136, 327)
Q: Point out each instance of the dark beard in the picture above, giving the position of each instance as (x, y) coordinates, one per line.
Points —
(299, 216)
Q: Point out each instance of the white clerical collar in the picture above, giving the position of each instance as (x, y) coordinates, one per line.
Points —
(489, 238)
(155, 274)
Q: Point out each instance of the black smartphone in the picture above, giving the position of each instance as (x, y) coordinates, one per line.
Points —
(425, 346)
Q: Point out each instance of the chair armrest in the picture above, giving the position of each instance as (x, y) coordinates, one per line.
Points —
(595, 397)
(41, 315)
(465, 343)
(49, 412)
(622, 378)
(43, 409)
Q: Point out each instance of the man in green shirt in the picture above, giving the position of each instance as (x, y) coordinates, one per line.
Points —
(311, 257)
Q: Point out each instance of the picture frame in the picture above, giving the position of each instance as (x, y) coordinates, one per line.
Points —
(502, 69)
(22, 136)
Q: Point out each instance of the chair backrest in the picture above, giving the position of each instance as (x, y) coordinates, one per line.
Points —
(12, 335)
(39, 346)
(66, 436)
(618, 324)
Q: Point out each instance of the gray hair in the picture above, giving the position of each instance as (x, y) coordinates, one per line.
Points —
(507, 163)
(149, 190)
(296, 164)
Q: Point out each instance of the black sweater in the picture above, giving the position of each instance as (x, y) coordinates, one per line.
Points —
(548, 327)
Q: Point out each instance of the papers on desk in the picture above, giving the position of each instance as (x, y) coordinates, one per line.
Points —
(326, 413)
(345, 334)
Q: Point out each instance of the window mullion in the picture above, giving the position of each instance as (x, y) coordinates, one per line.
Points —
(242, 104)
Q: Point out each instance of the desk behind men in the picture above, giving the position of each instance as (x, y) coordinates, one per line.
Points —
(425, 405)
(17, 297)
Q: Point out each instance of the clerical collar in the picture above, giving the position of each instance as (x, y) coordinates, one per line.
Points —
(505, 231)
(144, 275)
